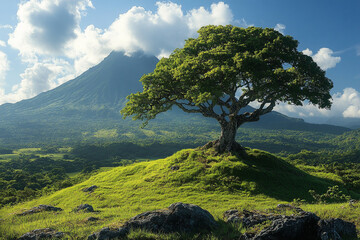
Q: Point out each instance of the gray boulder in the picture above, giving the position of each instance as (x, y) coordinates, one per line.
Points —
(302, 225)
(336, 228)
(40, 208)
(291, 228)
(90, 189)
(45, 233)
(247, 218)
(84, 208)
(107, 234)
(178, 217)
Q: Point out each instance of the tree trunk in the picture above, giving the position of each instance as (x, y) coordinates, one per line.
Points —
(226, 142)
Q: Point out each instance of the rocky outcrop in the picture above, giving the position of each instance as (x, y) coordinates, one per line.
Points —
(45, 233)
(291, 228)
(178, 217)
(300, 225)
(84, 208)
(107, 234)
(336, 228)
(90, 189)
(40, 208)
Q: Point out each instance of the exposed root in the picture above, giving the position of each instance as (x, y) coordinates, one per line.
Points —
(235, 147)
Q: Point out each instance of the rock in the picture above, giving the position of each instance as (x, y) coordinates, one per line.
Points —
(352, 203)
(90, 189)
(91, 219)
(248, 218)
(289, 207)
(178, 217)
(336, 228)
(84, 207)
(45, 233)
(107, 234)
(291, 228)
(232, 216)
(302, 225)
(175, 167)
(40, 208)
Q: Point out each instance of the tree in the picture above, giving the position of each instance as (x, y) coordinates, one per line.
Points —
(225, 69)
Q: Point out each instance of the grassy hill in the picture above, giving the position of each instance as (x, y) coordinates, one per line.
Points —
(252, 180)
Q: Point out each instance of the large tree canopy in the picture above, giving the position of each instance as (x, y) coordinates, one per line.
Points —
(224, 70)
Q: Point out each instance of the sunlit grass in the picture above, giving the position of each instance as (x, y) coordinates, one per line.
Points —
(255, 180)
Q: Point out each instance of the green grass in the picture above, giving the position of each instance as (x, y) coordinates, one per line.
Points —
(255, 180)
(27, 150)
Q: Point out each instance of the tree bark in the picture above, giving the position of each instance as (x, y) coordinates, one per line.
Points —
(226, 142)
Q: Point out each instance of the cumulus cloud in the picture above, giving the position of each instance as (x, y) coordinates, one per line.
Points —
(220, 14)
(48, 29)
(157, 33)
(324, 58)
(4, 66)
(40, 77)
(44, 27)
(7, 26)
(345, 104)
(52, 27)
(2, 44)
(280, 28)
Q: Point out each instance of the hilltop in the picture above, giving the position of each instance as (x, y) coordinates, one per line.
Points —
(252, 180)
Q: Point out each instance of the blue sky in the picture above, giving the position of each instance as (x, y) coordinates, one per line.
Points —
(44, 43)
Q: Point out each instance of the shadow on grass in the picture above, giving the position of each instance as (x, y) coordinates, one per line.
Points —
(279, 179)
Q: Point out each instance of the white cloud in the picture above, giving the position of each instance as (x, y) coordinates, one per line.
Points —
(4, 66)
(280, 28)
(45, 26)
(47, 29)
(7, 26)
(345, 104)
(2, 44)
(352, 112)
(157, 33)
(307, 52)
(40, 77)
(324, 58)
(220, 14)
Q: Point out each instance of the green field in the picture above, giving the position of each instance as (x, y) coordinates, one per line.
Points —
(255, 180)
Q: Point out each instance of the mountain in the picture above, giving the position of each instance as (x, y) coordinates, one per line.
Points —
(104, 86)
(78, 109)
(352, 123)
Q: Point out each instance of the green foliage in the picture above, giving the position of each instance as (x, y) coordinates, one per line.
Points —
(206, 74)
(332, 195)
(222, 60)
(5, 151)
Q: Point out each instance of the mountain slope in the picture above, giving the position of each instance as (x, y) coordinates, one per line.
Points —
(91, 102)
(105, 85)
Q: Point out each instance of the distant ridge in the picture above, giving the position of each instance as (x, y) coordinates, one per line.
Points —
(92, 102)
